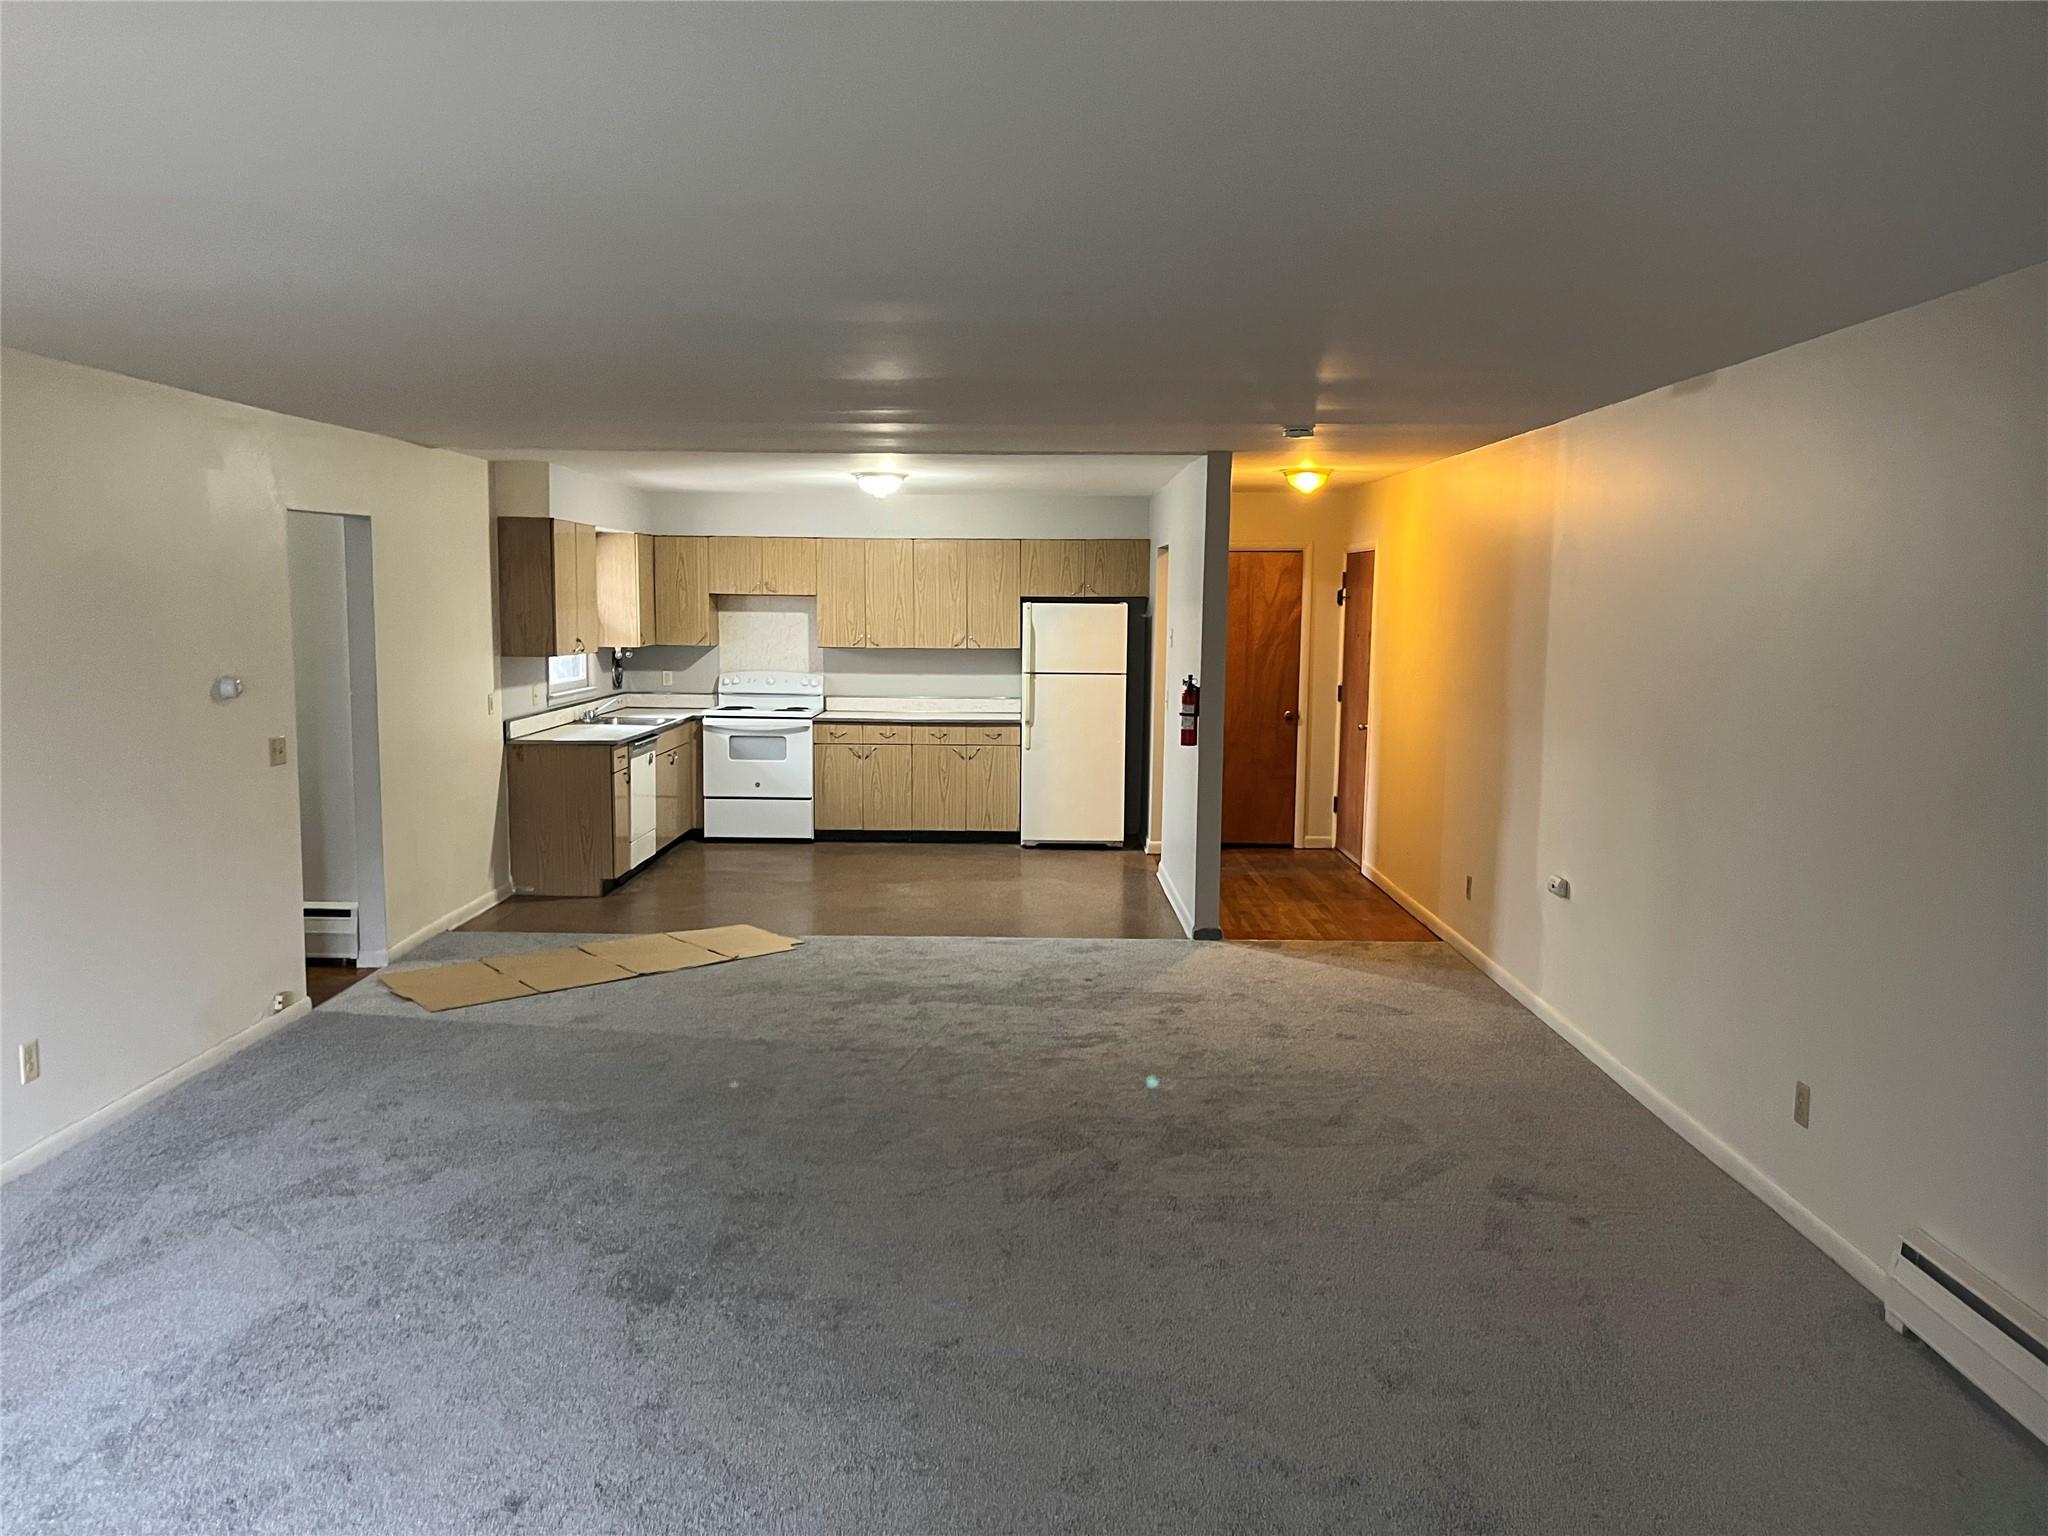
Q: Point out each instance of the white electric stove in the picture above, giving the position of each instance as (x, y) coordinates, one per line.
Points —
(757, 755)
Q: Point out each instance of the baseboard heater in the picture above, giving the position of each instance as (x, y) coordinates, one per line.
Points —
(1997, 1341)
(331, 931)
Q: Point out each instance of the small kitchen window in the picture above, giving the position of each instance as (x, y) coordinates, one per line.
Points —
(571, 675)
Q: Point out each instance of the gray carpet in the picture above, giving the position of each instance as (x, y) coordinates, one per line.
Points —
(892, 1235)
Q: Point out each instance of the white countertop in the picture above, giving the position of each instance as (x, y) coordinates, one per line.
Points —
(995, 711)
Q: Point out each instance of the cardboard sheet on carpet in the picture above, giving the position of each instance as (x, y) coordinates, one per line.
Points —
(462, 985)
(501, 978)
(651, 954)
(739, 941)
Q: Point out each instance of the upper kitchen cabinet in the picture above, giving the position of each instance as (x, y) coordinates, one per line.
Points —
(867, 593)
(683, 614)
(940, 575)
(751, 567)
(1084, 567)
(547, 587)
(789, 567)
(995, 594)
(1116, 567)
(625, 589)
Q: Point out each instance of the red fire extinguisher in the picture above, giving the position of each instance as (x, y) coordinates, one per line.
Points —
(1190, 708)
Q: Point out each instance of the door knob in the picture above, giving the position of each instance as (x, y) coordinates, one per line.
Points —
(1289, 716)
(1361, 725)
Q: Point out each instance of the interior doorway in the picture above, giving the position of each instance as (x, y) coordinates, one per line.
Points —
(1262, 698)
(1353, 734)
(1162, 706)
(334, 667)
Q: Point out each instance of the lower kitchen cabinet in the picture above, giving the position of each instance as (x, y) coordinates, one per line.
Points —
(572, 809)
(940, 779)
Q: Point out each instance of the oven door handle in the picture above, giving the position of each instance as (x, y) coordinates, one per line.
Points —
(779, 728)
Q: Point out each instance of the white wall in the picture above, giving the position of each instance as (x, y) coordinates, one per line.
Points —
(1760, 662)
(325, 746)
(152, 892)
(909, 514)
(1190, 516)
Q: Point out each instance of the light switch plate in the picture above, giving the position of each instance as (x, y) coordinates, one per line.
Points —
(31, 1060)
(277, 751)
(1802, 1104)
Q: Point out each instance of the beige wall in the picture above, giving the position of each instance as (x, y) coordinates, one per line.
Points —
(1320, 526)
(151, 882)
(1760, 662)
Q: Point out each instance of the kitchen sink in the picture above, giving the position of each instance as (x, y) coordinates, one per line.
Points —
(638, 717)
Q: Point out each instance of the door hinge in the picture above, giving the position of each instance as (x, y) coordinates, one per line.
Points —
(1333, 804)
(1340, 597)
(1340, 693)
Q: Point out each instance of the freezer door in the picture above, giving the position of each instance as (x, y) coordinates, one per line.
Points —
(1073, 769)
(1075, 637)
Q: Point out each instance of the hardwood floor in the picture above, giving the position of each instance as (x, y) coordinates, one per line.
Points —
(994, 889)
(1307, 893)
(325, 980)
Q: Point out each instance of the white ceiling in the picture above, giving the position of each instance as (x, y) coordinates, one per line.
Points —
(1066, 474)
(991, 229)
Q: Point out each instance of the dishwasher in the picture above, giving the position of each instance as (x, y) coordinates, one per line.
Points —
(641, 796)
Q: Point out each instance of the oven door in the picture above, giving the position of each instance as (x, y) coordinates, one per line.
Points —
(757, 759)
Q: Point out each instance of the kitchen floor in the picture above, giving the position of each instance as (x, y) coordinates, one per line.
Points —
(996, 890)
(1308, 893)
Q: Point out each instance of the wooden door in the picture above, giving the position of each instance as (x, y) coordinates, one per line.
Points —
(940, 571)
(835, 787)
(891, 593)
(735, 566)
(1352, 734)
(995, 594)
(1055, 567)
(842, 592)
(887, 800)
(789, 566)
(1262, 696)
(683, 614)
(938, 785)
(1116, 567)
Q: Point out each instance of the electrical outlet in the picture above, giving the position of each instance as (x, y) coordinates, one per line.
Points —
(1468, 887)
(31, 1060)
(668, 679)
(490, 703)
(277, 751)
(1559, 887)
(280, 1001)
(537, 694)
(1802, 1104)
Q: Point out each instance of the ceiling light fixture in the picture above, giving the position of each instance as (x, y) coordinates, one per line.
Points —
(879, 485)
(1307, 481)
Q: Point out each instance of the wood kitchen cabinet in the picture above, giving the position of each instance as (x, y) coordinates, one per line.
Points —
(938, 781)
(749, 567)
(867, 593)
(939, 569)
(991, 787)
(625, 589)
(1085, 567)
(547, 587)
(678, 783)
(683, 614)
(887, 796)
(995, 593)
(836, 770)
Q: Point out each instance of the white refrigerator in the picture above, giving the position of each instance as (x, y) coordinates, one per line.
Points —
(1074, 696)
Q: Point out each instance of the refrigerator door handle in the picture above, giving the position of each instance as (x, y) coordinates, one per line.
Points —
(1030, 656)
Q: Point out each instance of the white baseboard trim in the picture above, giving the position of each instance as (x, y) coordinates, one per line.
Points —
(1181, 909)
(443, 923)
(1318, 840)
(1862, 1266)
(39, 1152)
(1152, 845)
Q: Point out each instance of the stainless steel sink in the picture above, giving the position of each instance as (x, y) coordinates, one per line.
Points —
(638, 717)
